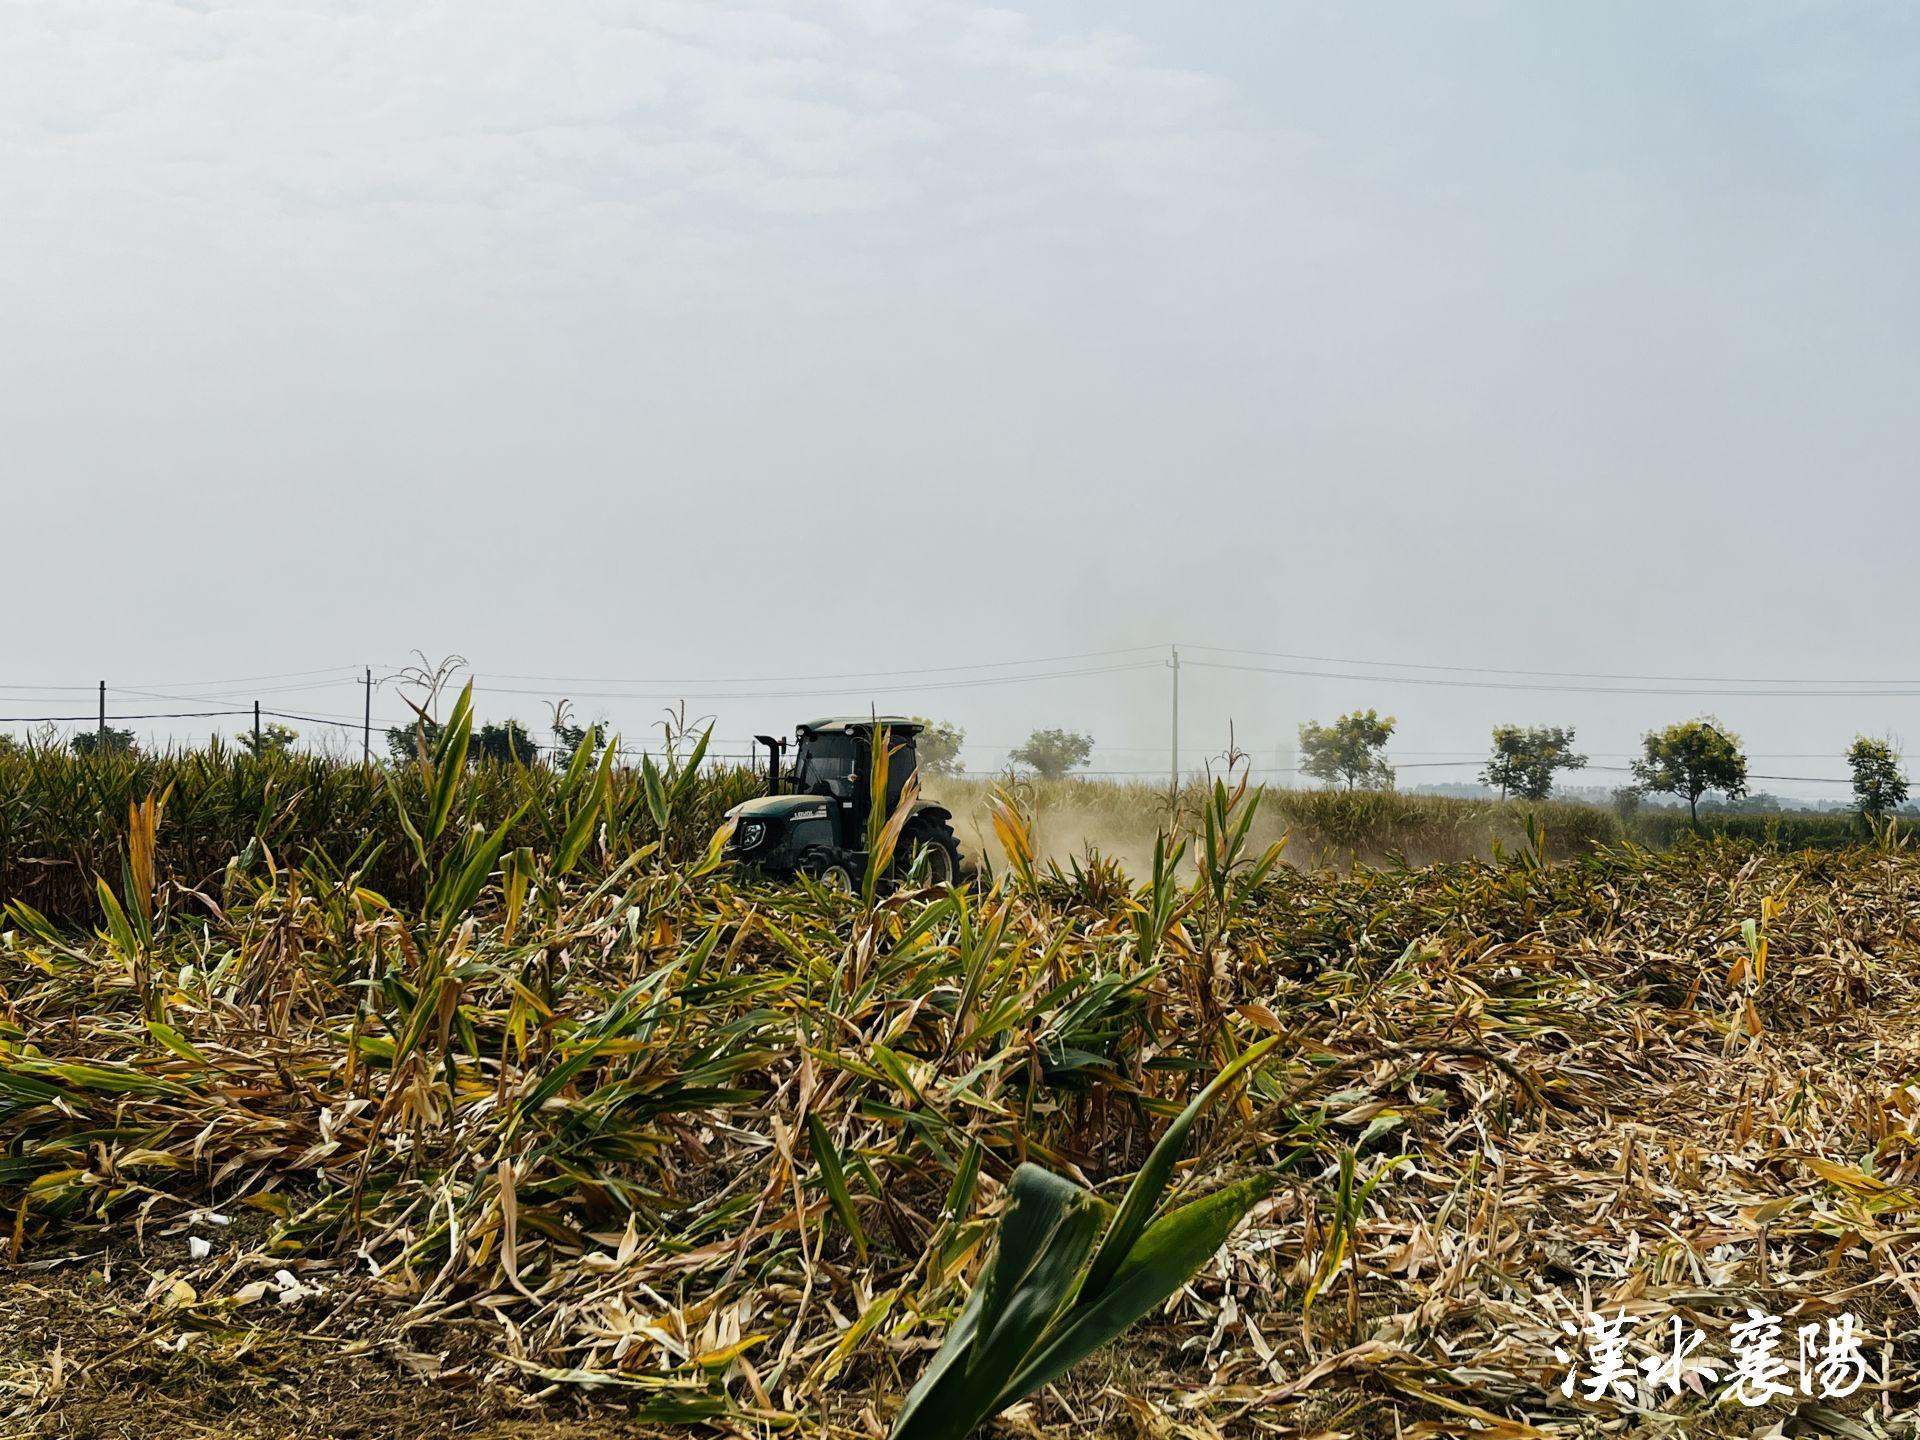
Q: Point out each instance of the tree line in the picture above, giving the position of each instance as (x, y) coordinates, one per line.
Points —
(1688, 760)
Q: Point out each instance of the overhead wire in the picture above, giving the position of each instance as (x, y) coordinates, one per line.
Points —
(982, 674)
(843, 675)
(1546, 674)
(1555, 689)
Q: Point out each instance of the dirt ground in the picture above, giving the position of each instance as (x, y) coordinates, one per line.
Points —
(74, 1362)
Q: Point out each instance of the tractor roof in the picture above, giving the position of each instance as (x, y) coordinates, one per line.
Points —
(860, 724)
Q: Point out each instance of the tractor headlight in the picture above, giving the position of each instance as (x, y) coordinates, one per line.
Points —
(752, 833)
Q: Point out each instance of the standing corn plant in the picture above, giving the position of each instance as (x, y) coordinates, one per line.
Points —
(1043, 1306)
(130, 927)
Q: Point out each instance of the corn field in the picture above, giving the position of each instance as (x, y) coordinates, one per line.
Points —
(63, 816)
(463, 1101)
(63, 819)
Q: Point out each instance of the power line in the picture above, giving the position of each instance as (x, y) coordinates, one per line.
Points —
(1898, 688)
(1542, 674)
(846, 675)
(973, 684)
(186, 684)
(1555, 689)
(344, 722)
(94, 718)
(304, 687)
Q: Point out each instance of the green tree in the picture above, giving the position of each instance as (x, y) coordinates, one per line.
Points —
(408, 743)
(1626, 804)
(568, 738)
(938, 747)
(107, 741)
(504, 743)
(1053, 753)
(1691, 758)
(1350, 750)
(1524, 759)
(1878, 785)
(276, 739)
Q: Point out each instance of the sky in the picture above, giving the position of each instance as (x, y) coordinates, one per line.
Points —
(650, 346)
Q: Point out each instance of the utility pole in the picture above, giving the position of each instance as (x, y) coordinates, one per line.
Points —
(1173, 780)
(103, 714)
(366, 723)
(256, 727)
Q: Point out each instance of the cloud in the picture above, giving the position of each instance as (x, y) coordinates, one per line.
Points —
(606, 134)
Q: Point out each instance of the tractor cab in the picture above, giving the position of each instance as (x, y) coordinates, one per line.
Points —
(813, 818)
(831, 758)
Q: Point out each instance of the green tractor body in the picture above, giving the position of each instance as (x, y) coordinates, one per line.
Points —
(813, 819)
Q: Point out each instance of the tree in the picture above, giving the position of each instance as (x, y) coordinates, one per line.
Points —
(505, 743)
(1052, 753)
(276, 739)
(568, 738)
(108, 741)
(938, 747)
(1691, 758)
(1878, 785)
(1524, 760)
(1352, 749)
(1754, 802)
(407, 743)
(1626, 804)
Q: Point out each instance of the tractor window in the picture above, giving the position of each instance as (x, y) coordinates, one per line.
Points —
(828, 764)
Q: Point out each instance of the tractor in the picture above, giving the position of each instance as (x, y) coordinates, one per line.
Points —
(813, 820)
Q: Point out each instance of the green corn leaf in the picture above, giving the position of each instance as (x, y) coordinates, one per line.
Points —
(37, 925)
(118, 926)
(919, 1413)
(1165, 1258)
(834, 1178)
(580, 762)
(895, 1070)
(110, 1079)
(136, 907)
(413, 834)
(1144, 1194)
(450, 764)
(516, 873)
(688, 778)
(656, 793)
(173, 1040)
(960, 1193)
(579, 832)
(455, 891)
(1045, 1234)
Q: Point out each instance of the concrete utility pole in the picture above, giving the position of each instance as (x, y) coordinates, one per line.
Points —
(256, 727)
(1173, 777)
(366, 723)
(103, 713)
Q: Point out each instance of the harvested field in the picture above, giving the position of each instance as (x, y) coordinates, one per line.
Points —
(583, 1142)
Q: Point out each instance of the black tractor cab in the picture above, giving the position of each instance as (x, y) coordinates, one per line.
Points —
(813, 818)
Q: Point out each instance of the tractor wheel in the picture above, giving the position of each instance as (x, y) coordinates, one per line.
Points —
(833, 874)
(933, 838)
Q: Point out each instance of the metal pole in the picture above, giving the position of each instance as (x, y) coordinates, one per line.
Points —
(103, 712)
(366, 724)
(1173, 782)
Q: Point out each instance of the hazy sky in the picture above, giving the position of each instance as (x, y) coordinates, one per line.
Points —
(675, 342)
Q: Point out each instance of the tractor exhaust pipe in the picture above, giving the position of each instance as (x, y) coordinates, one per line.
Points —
(774, 747)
